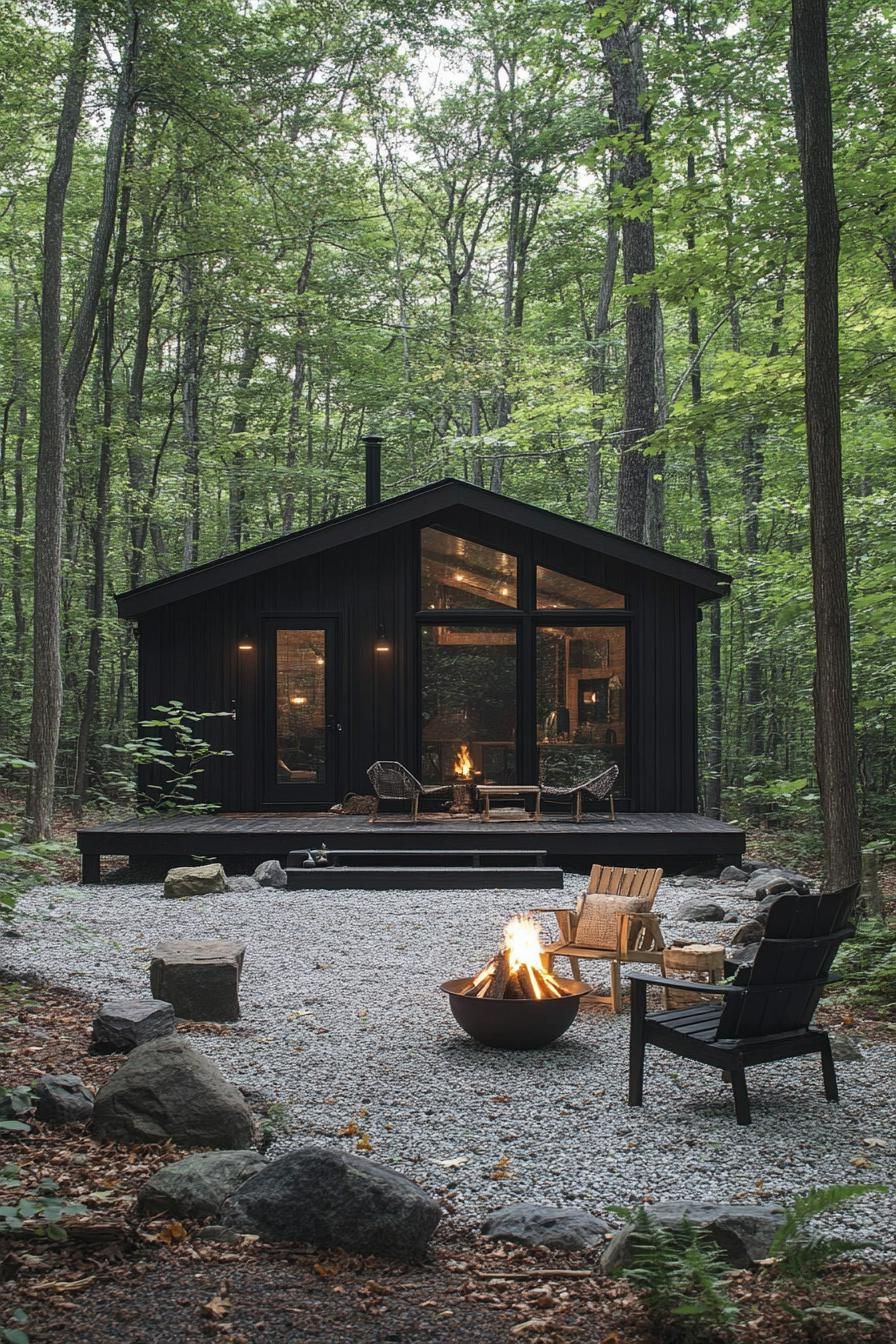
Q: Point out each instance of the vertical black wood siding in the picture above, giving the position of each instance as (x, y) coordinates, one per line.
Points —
(188, 652)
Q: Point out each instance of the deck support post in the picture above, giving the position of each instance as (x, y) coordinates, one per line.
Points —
(90, 869)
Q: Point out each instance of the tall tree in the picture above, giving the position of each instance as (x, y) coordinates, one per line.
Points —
(631, 113)
(835, 753)
(60, 382)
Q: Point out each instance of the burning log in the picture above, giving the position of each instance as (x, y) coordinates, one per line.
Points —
(520, 969)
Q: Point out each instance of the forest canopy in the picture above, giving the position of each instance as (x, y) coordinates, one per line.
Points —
(324, 219)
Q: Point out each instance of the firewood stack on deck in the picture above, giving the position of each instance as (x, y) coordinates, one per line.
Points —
(520, 970)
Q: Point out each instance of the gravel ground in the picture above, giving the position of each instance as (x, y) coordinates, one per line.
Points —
(344, 1027)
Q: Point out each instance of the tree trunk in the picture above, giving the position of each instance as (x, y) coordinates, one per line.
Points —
(18, 487)
(138, 506)
(625, 62)
(655, 514)
(835, 755)
(195, 326)
(598, 371)
(236, 499)
(60, 385)
(99, 526)
(298, 384)
(46, 714)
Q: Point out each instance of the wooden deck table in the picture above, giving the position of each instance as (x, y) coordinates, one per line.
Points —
(489, 791)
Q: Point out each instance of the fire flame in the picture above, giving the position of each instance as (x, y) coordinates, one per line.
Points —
(522, 942)
(463, 762)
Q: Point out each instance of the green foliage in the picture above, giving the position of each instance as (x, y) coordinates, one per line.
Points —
(174, 753)
(14, 1334)
(867, 963)
(819, 1324)
(274, 1123)
(39, 1211)
(802, 1254)
(15, 1102)
(682, 1276)
(23, 866)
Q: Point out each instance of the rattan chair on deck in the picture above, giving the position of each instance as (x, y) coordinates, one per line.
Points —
(394, 782)
(599, 787)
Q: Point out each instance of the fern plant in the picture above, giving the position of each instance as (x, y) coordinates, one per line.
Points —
(867, 963)
(682, 1277)
(802, 1254)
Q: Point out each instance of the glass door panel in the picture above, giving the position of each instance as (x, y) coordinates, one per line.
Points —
(469, 701)
(303, 731)
(581, 721)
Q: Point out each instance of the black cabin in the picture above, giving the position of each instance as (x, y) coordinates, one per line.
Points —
(453, 629)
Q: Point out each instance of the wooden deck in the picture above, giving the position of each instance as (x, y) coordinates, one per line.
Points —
(673, 840)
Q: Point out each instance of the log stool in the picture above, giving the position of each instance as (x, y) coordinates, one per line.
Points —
(692, 961)
(200, 978)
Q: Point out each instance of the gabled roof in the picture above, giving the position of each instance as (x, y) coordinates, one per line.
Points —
(410, 507)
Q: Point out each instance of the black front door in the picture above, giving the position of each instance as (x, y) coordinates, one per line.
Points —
(301, 726)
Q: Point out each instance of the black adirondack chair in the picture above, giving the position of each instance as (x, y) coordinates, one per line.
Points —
(766, 1013)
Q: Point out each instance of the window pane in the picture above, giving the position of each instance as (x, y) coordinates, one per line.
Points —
(301, 706)
(469, 704)
(459, 573)
(561, 591)
(580, 702)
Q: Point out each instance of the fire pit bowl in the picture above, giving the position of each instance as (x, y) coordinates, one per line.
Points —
(515, 1024)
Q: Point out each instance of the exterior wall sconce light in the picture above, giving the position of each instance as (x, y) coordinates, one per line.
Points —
(246, 644)
(382, 644)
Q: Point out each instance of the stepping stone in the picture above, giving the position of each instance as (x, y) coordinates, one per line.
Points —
(542, 1225)
(123, 1024)
(200, 978)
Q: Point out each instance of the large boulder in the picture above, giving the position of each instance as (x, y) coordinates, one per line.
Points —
(205, 880)
(270, 874)
(733, 874)
(699, 912)
(751, 931)
(197, 1186)
(329, 1198)
(742, 1232)
(167, 1090)
(62, 1099)
(541, 1225)
(775, 881)
(123, 1024)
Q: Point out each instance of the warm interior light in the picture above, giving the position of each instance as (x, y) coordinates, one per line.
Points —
(297, 699)
(459, 578)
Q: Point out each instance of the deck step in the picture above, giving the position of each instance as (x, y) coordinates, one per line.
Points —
(426, 858)
(405, 878)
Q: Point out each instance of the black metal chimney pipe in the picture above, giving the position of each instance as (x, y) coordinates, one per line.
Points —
(373, 448)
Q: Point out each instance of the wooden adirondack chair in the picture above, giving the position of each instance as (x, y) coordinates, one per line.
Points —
(613, 921)
(766, 1013)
